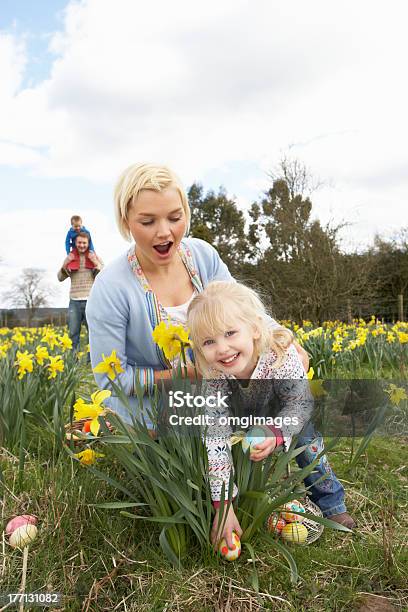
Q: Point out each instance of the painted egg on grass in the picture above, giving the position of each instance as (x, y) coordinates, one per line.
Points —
(292, 512)
(256, 435)
(22, 536)
(19, 521)
(295, 532)
(230, 554)
(274, 523)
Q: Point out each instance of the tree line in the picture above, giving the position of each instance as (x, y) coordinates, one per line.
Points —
(296, 263)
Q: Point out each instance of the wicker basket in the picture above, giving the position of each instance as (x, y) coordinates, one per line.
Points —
(314, 529)
(74, 433)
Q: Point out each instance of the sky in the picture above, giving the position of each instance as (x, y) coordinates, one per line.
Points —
(218, 90)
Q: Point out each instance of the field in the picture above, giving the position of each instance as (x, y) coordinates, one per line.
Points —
(101, 559)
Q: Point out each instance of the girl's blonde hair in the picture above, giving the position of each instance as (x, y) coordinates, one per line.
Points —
(222, 303)
(144, 176)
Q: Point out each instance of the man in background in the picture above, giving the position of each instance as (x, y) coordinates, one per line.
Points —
(81, 266)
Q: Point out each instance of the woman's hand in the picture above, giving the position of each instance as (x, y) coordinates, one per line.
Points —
(303, 356)
(231, 524)
(259, 452)
(166, 375)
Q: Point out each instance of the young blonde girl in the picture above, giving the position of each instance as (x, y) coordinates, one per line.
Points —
(235, 345)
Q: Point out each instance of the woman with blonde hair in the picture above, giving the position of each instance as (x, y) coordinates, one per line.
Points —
(258, 369)
(154, 281)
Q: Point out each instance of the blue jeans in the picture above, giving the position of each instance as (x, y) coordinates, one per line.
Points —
(329, 493)
(76, 316)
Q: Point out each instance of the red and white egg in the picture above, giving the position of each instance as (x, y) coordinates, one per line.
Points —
(21, 530)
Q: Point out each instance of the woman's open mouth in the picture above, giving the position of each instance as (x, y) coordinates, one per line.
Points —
(230, 360)
(163, 248)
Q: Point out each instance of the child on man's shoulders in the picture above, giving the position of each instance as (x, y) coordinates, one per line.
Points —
(73, 253)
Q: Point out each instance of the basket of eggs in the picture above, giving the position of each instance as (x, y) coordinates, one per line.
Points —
(291, 524)
(79, 432)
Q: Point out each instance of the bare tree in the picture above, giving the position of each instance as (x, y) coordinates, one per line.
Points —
(29, 291)
(297, 176)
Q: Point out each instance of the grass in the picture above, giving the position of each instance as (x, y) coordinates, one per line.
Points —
(100, 560)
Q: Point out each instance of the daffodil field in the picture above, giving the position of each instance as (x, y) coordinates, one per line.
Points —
(38, 376)
(159, 492)
(355, 350)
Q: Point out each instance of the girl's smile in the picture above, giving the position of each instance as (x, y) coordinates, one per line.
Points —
(233, 351)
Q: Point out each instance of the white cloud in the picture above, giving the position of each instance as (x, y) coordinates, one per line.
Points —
(204, 86)
(12, 64)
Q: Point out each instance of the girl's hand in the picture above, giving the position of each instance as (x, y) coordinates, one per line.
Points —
(231, 524)
(262, 450)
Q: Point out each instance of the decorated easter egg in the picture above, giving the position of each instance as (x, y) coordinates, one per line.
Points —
(87, 427)
(230, 554)
(292, 512)
(275, 523)
(22, 536)
(18, 521)
(294, 532)
(256, 435)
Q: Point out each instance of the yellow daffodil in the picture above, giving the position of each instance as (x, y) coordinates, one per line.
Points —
(56, 365)
(109, 365)
(100, 396)
(4, 348)
(402, 337)
(397, 394)
(18, 338)
(316, 386)
(65, 342)
(88, 456)
(170, 338)
(50, 338)
(82, 410)
(41, 354)
(316, 333)
(79, 406)
(24, 362)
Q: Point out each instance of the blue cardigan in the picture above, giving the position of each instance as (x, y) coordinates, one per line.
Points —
(119, 315)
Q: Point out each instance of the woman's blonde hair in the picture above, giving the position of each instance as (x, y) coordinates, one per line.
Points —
(144, 176)
(222, 303)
